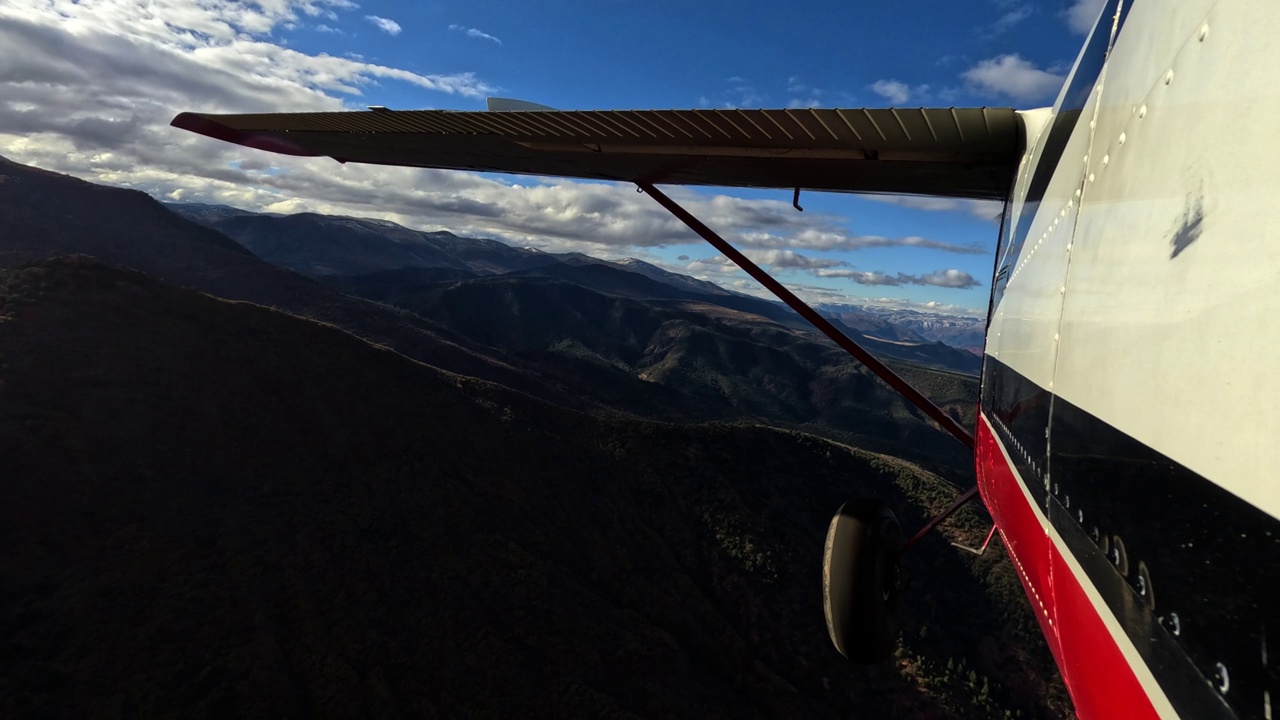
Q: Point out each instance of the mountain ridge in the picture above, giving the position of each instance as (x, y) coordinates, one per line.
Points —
(220, 509)
(324, 247)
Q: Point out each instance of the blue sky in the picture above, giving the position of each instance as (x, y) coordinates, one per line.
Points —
(90, 85)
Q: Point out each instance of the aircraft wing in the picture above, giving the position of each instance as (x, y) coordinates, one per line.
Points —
(951, 152)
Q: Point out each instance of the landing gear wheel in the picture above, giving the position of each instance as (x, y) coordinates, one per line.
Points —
(862, 581)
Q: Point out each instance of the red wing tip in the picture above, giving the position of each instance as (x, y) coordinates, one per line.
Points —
(187, 121)
(261, 140)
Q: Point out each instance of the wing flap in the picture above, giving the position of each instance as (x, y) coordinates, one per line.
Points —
(954, 152)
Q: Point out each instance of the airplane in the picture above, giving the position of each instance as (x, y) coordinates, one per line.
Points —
(1126, 441)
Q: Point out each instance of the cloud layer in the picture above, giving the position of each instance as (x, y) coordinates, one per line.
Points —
(88, 88)
(831, 268)
(940, 278)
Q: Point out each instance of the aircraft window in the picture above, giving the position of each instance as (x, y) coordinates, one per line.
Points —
(1071, 103)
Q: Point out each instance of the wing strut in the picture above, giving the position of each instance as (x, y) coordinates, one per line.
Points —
(881, 370)
(904, 388)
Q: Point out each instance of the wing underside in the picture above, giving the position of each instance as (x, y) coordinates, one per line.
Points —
(951, 152)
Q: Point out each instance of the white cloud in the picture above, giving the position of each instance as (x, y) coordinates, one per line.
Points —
(1083, 14)
(474, 33)
(715, 268)
(1009, 20)
(390, 27)
(804, 96)
(837, 239)
(862, 277)
(1013, 77)
(958, 279)
(740, 93)
(949, 279)
(897, 93)
(918, 202)
(985, 209)
(792, 259)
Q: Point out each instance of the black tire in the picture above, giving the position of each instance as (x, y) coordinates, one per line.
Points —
(862, 582)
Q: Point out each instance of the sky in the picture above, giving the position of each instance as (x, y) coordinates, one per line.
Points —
(88, 88)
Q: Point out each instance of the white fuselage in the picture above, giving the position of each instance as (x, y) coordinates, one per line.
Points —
(1132, 371)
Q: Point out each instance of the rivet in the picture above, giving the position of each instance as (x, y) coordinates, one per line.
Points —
(1080, 516)
(1204, 32)
(1055, 337)
(1090, 177)
(1105, 159)
(1086, 159)
(1142, 112)
(1093, 123)
(1077, 192)
(1168, 77)
(1122, 136)
(1223, 678)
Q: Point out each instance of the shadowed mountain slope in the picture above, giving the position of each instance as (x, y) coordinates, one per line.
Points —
(324, 246)
(48, 214)
(212, 509)
(318, 245)
(727, 362)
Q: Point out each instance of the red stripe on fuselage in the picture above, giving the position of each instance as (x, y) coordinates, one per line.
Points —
(1097, 674)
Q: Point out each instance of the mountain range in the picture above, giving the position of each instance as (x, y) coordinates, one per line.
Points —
(235, 490)
(892, 323)
(323, 246)
(623, 337)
